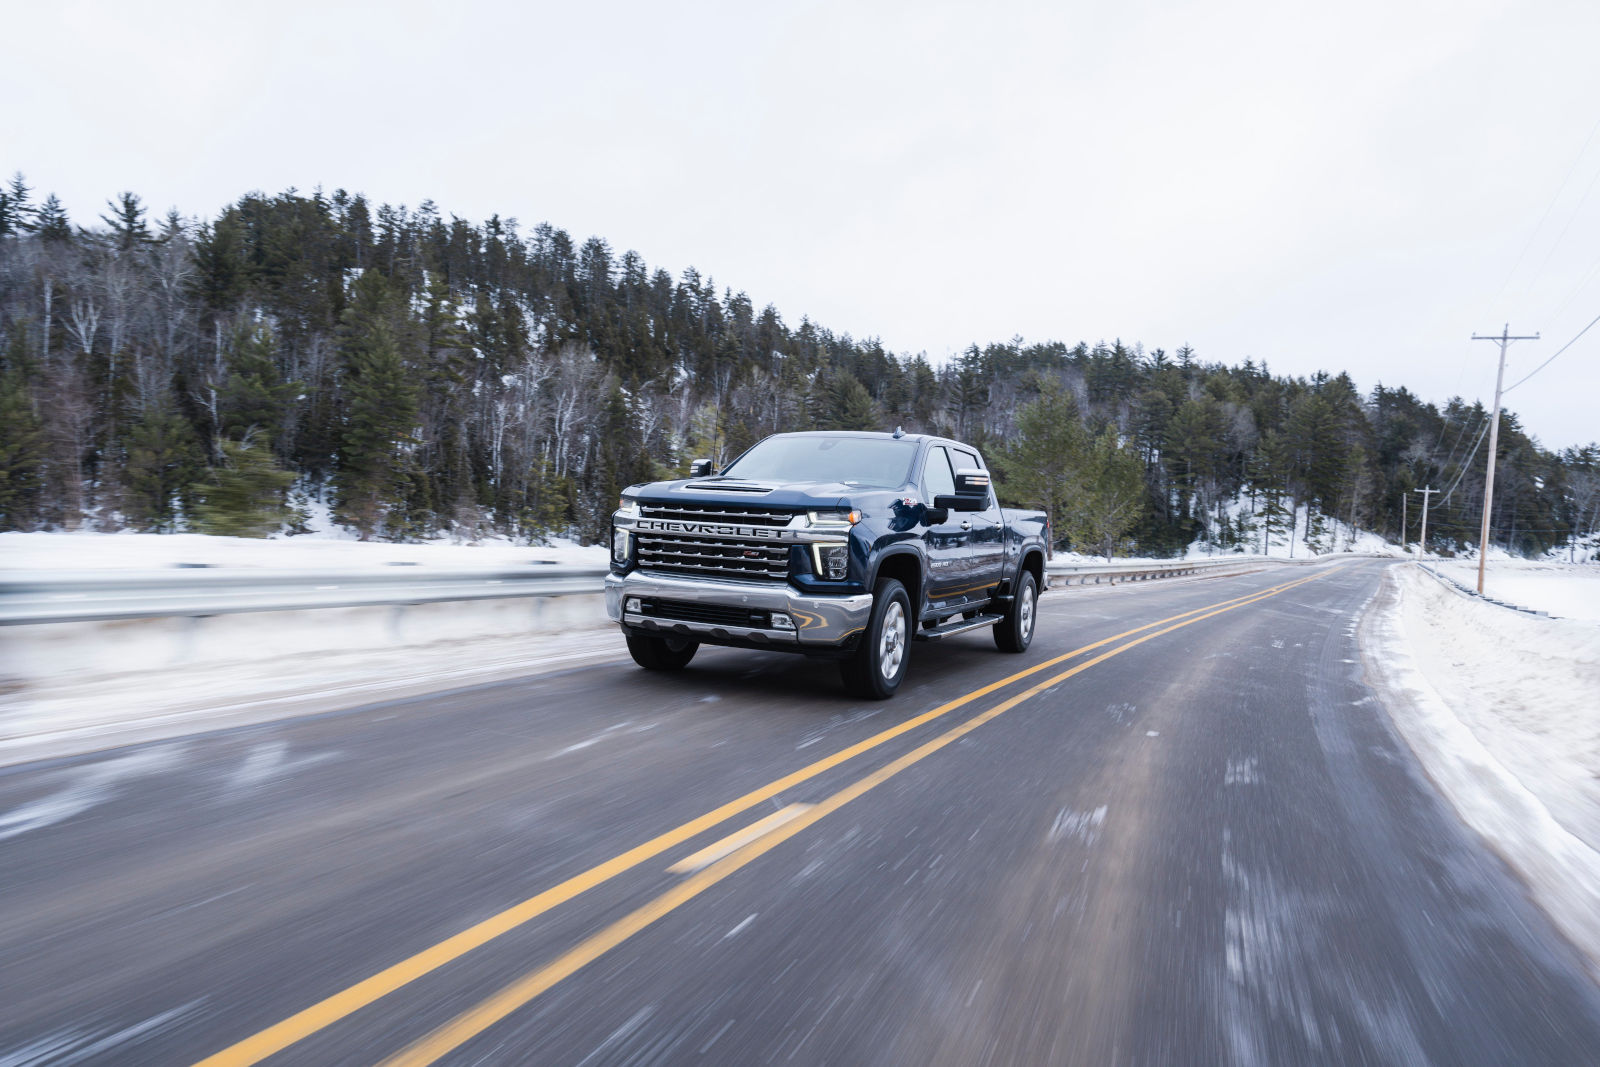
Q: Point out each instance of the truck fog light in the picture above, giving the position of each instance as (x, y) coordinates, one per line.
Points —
(833, 562)
(619, 545)
(632, 606)
(780, 621)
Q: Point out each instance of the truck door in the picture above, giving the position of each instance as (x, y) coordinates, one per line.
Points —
(945, 544)
(987, 541)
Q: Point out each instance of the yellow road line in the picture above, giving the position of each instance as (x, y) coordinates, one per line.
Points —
(475, 1020)
(737, 840)
(324, 1013)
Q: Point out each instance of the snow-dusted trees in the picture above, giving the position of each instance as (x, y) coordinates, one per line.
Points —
(425, 374)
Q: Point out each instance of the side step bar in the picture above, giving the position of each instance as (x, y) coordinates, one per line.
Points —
(959, 626)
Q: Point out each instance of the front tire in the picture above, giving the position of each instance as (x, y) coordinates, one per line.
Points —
(661, 653)
(874, 671)
(1014, 633)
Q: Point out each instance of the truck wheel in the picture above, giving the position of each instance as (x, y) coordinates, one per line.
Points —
(878, 664)
(1014, 633)
(661, 653)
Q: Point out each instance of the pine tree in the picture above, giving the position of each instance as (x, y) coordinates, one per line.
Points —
(1044, 468)
(1110, 496)
(380, 407)
(53, 226)
(17, 214)
(22, 453)
(128, 227)
(244, 496)
(848, 406)
(163, 462)
(255, 395)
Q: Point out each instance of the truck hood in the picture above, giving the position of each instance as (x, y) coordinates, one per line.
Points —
(797, 496)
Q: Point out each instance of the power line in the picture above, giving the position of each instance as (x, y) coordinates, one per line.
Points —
(1547, 362)
(1549, 208)
(1466, 464)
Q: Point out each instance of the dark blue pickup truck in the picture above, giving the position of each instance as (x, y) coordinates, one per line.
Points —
(842, 545)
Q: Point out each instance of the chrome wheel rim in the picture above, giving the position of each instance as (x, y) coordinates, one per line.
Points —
(1025, 619)
(892, 641)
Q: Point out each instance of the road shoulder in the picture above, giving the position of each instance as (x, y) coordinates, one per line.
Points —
(1467, 760)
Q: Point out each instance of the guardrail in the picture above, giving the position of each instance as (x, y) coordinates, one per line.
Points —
(1114, 573)
(1451, 583)
(105, 596)
(90, 596)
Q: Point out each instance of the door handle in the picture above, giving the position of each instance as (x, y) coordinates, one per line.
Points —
(966, 525)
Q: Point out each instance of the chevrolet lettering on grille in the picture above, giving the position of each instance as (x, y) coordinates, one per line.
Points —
(714, 529)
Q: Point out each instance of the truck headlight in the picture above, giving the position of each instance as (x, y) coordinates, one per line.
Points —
(628, 505)
(832, 560)
(832, 520)
(619, 544)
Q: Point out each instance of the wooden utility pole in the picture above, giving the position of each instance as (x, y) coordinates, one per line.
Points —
(1404, 525)
(1503, 341)
(1427, 495)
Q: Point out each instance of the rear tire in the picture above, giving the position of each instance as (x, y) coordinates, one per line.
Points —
(1014, 633)
(661, 653)
(877, 666)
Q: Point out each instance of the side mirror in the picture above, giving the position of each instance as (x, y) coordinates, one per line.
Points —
(700, 468)
(936, 516)
(970, 481)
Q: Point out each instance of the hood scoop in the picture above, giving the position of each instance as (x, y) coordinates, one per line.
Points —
(729, 487)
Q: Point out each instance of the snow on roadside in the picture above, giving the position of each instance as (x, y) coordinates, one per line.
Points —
(1567, 591)
(36, 552)
(1501, 709)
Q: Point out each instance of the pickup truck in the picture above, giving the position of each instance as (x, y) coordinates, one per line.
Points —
(839, 545)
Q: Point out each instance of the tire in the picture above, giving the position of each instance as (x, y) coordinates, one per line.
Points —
(661, 653)
(1014, 633)
(874, 671)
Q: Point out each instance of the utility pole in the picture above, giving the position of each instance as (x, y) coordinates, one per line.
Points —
(1503, 341)
(1405, 526)
(1427, 495)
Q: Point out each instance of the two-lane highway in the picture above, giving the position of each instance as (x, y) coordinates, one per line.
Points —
(1179, 829)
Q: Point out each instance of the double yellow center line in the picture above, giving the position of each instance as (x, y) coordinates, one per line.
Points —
(324, 1013)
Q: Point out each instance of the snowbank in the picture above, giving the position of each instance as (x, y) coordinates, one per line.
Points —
(91, 551)
(1567, 591)
(1503, 711)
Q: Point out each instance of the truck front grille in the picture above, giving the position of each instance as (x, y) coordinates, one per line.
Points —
(723, 557)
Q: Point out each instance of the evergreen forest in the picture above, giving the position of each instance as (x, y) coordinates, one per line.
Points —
(425, 376)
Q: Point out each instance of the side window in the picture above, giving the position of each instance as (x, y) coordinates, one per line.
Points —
(937, 479)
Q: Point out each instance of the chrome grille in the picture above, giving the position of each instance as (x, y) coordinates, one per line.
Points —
(717, 513)
(720, 557)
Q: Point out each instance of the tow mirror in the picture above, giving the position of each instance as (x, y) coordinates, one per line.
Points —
(700, 468)
(972, 492)
(970, 481)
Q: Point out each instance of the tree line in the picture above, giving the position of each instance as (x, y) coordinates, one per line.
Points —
(424, 375)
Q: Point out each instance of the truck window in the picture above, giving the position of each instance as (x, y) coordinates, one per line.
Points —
(937, 478)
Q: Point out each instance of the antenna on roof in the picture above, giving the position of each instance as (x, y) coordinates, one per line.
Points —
(899, 432)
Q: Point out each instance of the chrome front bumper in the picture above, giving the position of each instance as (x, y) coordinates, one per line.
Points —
(820, 621)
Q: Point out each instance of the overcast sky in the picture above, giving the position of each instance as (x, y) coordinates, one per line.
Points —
(1354, 186)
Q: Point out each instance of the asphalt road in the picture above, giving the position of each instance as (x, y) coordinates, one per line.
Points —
(1188, 836)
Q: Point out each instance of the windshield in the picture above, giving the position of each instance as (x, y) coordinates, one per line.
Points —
(852, 460)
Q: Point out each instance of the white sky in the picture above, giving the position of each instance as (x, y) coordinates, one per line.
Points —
(1356, 186)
